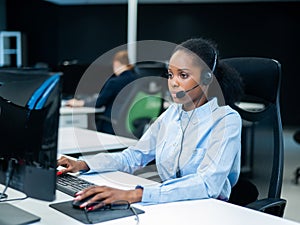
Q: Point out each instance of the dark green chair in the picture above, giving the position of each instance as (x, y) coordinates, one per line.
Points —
(140, 102)
(143, 110)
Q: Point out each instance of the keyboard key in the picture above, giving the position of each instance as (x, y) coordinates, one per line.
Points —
(70, 185)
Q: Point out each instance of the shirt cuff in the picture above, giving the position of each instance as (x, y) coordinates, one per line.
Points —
(151, 194)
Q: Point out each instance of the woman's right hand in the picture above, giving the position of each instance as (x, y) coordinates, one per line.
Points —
(71, 165)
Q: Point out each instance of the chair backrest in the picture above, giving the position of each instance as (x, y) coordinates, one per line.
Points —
(262, 139)
(142, 100)
(150, 68)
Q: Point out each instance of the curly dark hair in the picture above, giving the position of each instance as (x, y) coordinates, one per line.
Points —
(227, 77)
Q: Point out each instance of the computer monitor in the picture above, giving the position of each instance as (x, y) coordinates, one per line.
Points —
(29, 118)
(71, 75)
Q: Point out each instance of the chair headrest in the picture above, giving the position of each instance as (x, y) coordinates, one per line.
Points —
(261, 76)
(150, 68)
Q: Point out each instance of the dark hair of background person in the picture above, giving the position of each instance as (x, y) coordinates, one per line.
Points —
(228, 78)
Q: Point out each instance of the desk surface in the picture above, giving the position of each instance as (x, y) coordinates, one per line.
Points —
(50, 216)
(208, 211)
(73, 140)
(79, 110)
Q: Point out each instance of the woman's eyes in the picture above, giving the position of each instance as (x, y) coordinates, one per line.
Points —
(169, 75)
(182, 75)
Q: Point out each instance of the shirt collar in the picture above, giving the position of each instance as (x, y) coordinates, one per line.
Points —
(204, 110)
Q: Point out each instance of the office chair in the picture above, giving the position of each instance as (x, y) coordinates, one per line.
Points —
(141, 102)
(297, 171)
(260, 182)
(150, 68)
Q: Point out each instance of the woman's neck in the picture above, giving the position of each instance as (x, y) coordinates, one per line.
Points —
(194, 104)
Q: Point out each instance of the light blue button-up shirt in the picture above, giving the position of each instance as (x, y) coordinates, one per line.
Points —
(203, 144)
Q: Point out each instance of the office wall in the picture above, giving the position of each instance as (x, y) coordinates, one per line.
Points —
(86, 32)
(38, 22)
(56, 33)
(2, 15)
(240, 29)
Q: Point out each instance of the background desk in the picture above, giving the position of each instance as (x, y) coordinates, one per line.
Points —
(208, 212)
(73, 140)
(78, 116)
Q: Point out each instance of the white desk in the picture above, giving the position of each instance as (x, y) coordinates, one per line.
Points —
(250, 106)
(208, 212)
(50, 216)
(72, 140)
(77, 116)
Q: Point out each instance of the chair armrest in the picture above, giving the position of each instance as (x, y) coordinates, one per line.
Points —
(273, 206)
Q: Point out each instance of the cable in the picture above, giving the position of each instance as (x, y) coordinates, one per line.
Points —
(178, 172)
(9, 174)
(14, 199)
(2, 195)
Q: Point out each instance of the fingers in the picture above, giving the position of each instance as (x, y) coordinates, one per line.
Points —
(94, 205)
(75, 103)
(92, 197)
(71, 165)
(70, 102)
(62, 161)
(91, 203)
(67, 163)
(102, 196)
(60, 172)
(92, 190)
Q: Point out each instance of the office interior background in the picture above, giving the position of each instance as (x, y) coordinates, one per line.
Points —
(54, 33)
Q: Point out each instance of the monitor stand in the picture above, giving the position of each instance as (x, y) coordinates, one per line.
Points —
(13, 215)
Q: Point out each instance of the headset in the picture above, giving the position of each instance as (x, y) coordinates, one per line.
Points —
(206, 76)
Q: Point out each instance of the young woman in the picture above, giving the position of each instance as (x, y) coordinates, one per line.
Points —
(195, 142)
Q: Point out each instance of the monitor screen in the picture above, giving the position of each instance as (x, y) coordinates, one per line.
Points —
(29, 118)
(71, 75)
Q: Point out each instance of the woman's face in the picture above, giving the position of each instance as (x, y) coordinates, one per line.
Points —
(184, 74)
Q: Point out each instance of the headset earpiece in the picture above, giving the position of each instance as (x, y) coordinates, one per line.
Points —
(206, 77)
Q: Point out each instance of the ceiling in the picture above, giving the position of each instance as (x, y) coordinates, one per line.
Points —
(84, 2)
(91, 2)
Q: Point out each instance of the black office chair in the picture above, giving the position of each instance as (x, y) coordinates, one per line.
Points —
(260, 182)
(140, 102)
(297, 171)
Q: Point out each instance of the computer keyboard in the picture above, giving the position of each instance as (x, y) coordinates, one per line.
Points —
(70, 185)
